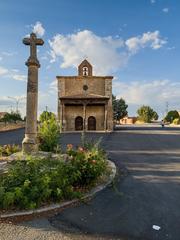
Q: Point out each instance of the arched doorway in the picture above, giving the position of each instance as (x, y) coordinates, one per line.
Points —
(78, 123)
(91, 123)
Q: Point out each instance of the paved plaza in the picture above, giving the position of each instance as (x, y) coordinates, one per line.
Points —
(146, 192)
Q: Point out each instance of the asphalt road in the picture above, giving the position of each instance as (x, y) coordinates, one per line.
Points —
(12, 137)
(146, 190)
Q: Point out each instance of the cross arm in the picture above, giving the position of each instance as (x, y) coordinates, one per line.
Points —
(39, 41)
(26, 41)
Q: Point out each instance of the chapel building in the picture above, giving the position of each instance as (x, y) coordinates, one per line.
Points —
(85, 101)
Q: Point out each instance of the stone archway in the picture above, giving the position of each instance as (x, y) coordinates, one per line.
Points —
(91, 123)
(78, 123)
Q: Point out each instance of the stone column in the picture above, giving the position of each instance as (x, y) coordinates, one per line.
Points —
(84, 117)
(105, 117)
(29, 143)
(62, 114)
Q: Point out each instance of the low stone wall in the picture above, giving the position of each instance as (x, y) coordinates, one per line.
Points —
(11, 126)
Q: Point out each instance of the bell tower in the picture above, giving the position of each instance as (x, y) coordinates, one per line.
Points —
(85, 69)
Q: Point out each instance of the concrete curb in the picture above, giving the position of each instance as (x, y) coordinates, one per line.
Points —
(67, 203)
(11, 130)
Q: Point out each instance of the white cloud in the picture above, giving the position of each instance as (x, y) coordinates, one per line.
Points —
(19, 77)
(15, 70)
(10, 103)
(102, 52)
(38, 29)
(153, 1)
(4, 100)
(47, 100)
(3, 71)
(151, 39)
(106, 54)
(171, 48)
(155, 94)
(165, 10)
(1, 58)
(9, 54)
(53, 87)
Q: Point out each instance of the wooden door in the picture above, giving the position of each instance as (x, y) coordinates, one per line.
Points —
(91, 123)
(79, 123)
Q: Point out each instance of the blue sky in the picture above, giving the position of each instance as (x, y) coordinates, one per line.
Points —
(136, 41)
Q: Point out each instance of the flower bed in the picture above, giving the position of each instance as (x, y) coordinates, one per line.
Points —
(7, 150)
(36, 182)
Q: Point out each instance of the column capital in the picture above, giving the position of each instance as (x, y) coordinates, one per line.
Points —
(33, 62)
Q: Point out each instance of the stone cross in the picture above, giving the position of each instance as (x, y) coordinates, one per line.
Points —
(33, 41)
(30, 143)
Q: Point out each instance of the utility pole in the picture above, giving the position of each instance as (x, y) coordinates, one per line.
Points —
(17, 100)
(167, 108)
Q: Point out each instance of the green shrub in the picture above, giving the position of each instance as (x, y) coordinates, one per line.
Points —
(31, 183)
(45, 116)
(176, 121)
(49, 135)
(171, 115)
(89, 161)
(35, 182)
(12, 117)
(9, 149)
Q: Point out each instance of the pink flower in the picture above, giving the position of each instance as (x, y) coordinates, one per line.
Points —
(69, 146)
(80, 149)
(93, 161)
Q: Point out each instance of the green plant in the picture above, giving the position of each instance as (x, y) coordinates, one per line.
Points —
(119, 108)
(11, 117)
(89, 161)
(176, 121)
(49, 135)
(34, 182)
(45, 116)
(146, 114)
(171, 115)
(9, 149)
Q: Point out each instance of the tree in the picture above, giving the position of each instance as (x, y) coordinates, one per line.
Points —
(12, 117)
(45, 116)
(119, 108)
(171, 115)
(155, 116)
(147, 114)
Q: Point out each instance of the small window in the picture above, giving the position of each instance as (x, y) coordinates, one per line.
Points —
(85, 71)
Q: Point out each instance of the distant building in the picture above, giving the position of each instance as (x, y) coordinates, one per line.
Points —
(2, 114)
(128, 120)
(85, 101)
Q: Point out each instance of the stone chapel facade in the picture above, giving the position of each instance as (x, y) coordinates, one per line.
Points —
(85, 101)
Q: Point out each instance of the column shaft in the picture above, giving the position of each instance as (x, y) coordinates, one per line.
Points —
(30, 140)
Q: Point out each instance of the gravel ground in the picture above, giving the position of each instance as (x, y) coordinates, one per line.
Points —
(39, 229)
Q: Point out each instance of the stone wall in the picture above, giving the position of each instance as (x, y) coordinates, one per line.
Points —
(71, 112)
(74, 85)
